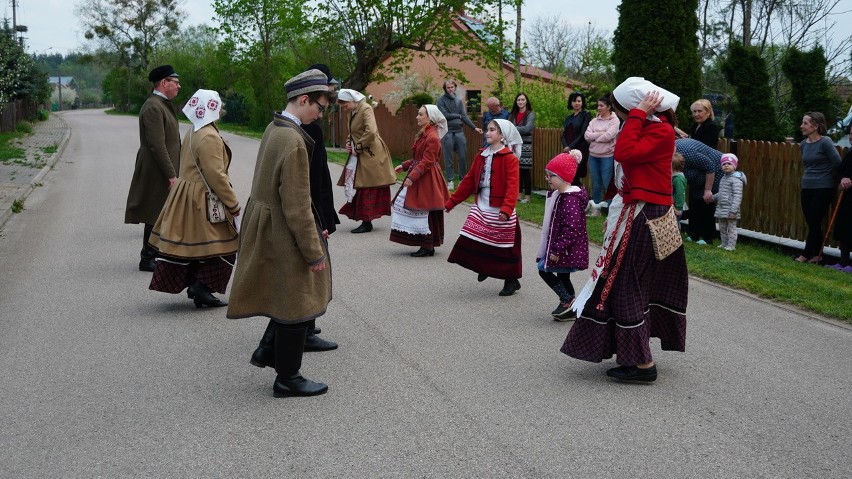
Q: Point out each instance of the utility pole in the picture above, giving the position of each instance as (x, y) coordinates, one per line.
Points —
(60, 86)
(15, 27)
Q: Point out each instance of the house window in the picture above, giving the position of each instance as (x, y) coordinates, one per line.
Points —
(474, 104)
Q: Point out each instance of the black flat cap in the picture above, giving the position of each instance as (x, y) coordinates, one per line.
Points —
(162, 71)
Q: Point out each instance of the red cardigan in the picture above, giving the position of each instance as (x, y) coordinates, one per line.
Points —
(645, 149)
(505, 177)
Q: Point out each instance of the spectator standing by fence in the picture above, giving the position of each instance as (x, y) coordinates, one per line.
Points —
(453, 109)
(523, 117)
(703, 170)
(821, 161)
(574, 132)
(601, 134)
(495, 111)
(843, 222)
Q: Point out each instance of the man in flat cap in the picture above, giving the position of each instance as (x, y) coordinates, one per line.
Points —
(158, 158)
(283, 272)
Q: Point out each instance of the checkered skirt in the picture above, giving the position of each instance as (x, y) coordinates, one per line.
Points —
(368, 204)
(173, 275)
(648, 299)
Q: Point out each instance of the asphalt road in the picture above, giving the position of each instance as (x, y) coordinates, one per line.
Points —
(436, 376)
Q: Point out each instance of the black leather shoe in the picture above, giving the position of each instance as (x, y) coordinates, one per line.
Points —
(314, 343)
(423, 252)
(365, 227)
(509, 287)
(147, 265)
(202, 297)
(632, 373)
(314, 330)
(296, 385)
(481, 277)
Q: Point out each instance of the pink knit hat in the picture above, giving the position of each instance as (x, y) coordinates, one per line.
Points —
(730, 158)
(564, 165)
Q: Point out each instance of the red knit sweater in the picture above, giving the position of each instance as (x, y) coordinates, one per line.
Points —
(644, 149)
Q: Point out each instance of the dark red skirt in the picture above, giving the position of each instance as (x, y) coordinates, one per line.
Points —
(648, 299)
(173, 275)
(436, 226)
(501, 263)
(368, 204)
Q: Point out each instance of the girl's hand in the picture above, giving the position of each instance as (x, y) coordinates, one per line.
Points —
(398, 169)
(732, 216)
(407, 182)
(504, 216)
(650, 103)
(845, 183)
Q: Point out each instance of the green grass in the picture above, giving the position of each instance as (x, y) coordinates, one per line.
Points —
(50, 149)
(9, 151)
(17, 206)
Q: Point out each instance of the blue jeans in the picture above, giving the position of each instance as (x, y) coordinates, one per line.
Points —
(454, 141)
(601, 170)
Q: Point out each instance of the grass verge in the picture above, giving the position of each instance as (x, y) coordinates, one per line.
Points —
(8, 151)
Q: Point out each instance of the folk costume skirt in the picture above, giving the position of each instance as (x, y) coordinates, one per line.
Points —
(368, 204)
(173, 275)
(647, 298)
(475, 249)
(415, 227)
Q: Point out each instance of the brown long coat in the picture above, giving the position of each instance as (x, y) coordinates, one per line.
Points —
(375, 167)
(182, 229)
(157, 160)
(428, 190)
(281, 237)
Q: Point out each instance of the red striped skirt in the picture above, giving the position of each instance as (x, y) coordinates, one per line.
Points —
(494, 262)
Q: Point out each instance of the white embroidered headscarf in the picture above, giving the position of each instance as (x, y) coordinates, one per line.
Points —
(438, 118)
(511, 136)
(631, 92)
(349, 95)
(203, 108)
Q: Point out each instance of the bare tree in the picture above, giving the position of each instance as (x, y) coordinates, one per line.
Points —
(550, 41)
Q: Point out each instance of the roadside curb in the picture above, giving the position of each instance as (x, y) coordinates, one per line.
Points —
(25, 190)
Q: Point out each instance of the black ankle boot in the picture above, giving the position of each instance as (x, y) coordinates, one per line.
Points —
(509, 287)
(297, 385)
(365, 227)
(264, 355)
(203, 297)
(423, 252)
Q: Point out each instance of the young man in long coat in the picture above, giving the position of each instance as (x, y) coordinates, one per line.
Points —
(283, 269)
(158, 158)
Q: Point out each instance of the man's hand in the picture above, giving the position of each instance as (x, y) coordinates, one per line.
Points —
(316, 268)
(172, 181)
(478, 130)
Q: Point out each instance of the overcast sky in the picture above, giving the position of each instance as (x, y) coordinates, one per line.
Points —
(53, 27)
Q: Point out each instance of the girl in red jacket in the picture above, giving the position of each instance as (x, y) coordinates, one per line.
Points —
(490, 240)
(631, 295)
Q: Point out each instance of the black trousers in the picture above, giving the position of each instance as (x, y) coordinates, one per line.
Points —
(526, 181)
(560, 283)
(289, 348)
(815, 203)
(702, 224)
(147, 253)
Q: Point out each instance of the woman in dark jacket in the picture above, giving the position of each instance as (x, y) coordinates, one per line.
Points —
(574, 132)
(523, 117)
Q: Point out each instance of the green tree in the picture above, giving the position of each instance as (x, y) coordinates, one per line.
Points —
(661, 48)
(370, 30)
(131, 29)
(20, 77)
(754, 110)
(259, 35)
(809, 89)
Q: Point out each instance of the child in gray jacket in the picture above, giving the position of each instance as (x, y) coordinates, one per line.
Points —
(728, 200)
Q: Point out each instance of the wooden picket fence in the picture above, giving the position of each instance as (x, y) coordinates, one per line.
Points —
(771, 201)
(15, 112)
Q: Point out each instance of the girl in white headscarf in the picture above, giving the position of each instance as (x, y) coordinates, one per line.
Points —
(490, 240)
(631, 295)
(417, 214)
(368, 174)
(195, 253)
